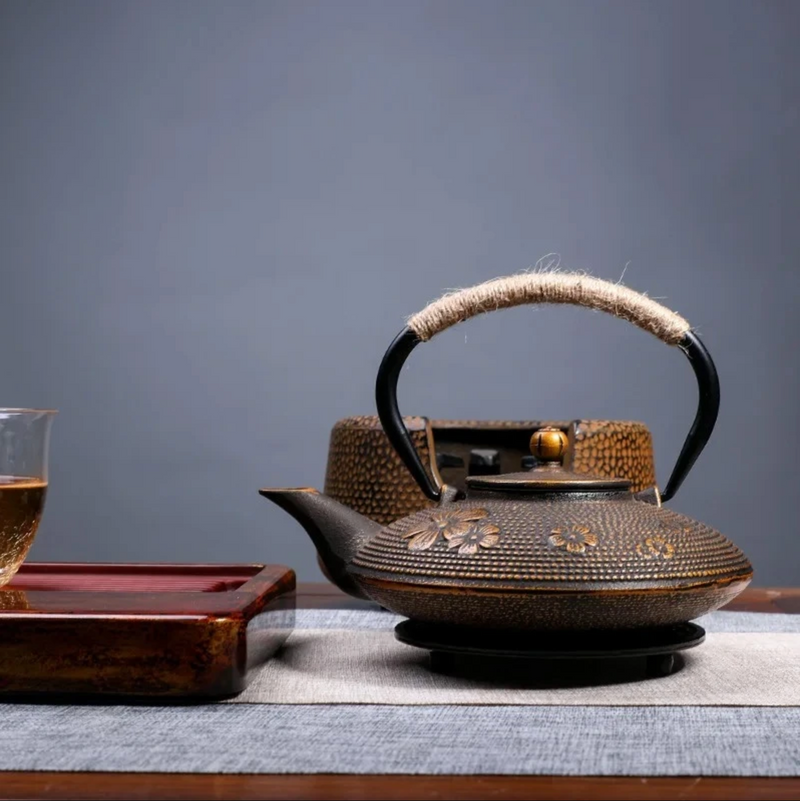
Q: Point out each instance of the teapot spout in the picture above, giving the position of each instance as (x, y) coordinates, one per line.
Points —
(336, 530)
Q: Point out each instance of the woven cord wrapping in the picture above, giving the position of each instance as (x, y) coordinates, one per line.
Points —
(572, 288)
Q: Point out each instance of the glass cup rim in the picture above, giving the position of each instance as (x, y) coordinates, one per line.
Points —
(21, 411)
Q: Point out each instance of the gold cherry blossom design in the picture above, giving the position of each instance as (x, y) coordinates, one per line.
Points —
(655, 548)
(447, 524)
(575, 538)
(478, 535)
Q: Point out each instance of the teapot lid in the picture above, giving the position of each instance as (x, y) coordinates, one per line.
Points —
(548, 445)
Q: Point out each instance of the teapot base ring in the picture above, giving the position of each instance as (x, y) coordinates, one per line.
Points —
(456, 647)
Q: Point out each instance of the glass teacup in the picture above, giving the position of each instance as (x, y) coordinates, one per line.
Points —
(24, 444)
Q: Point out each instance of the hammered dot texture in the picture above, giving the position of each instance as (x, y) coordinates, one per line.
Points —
(365, 473)
(614, 449)
(558, 541)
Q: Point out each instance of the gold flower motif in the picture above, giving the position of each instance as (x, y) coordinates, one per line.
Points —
(655, 548)
(447, 524)
(478, 535)
(575, 538)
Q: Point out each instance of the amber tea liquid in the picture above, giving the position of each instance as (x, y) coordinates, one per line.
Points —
(21, 504)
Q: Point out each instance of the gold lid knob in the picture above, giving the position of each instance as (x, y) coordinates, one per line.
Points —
(549, 444)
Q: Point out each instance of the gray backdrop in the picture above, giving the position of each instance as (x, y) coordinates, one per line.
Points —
(214, 217)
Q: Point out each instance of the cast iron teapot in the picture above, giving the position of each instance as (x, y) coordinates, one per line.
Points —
(542, 549)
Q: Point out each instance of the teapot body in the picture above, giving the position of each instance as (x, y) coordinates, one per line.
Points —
(550, 561)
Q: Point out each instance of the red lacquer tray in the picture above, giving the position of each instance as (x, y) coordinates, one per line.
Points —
(152, 631)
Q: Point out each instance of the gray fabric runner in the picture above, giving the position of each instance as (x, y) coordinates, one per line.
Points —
(615, 740)
(352, 657)
(317, 666)
(571, 741)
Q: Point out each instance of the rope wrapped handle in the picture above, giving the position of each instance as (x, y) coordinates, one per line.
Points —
(533, 288)
(537, 288)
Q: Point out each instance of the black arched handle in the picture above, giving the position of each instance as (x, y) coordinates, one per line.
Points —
(392, 421)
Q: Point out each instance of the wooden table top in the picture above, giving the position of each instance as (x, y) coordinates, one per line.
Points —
(30, 785)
